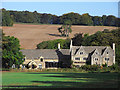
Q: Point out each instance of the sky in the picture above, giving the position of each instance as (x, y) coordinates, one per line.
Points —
(59, 8)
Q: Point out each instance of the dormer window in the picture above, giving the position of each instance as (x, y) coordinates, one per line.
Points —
(81, 53)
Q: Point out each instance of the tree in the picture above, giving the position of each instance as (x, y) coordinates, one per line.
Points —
(11, 52)
(97, 21)
(73, 17)
(65, 29)
(6, 19)
(110, 21)
(86, 19)
(103, 19)
(77, 39)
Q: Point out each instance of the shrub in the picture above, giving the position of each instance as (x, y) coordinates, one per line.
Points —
(115, 67)
(90, 67)
(104, 65)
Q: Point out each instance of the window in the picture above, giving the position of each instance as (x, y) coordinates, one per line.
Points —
(96, 53)
(41, 59)
(81, 53)
(96, 59)
(107, 59)
(77, 58)
(107, 52)
(84, 58)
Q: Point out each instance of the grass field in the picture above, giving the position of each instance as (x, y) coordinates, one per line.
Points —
(32, 34)
(59, 80)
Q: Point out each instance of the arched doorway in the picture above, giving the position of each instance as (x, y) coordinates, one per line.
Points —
(32, 65)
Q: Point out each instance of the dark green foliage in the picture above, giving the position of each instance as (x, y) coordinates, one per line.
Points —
(115, 67)
(104, 65)
(74, 18)
(33, 17)
(53, 44)
(86, 20)
(77, 39)
(97, 21)
(65, 29)
(6, 18)
(11, 54)
(90, 67)
(110, 21)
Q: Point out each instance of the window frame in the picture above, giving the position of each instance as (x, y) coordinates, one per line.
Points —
(76, 58)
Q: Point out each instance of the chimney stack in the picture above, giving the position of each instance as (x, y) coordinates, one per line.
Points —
(114, 47)
(58, 46)
(114, 53)
(71, 45)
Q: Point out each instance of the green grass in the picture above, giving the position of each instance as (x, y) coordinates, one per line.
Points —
(59, 80)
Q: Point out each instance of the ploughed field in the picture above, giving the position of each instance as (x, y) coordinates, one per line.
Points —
(59, 80)
(30, 35)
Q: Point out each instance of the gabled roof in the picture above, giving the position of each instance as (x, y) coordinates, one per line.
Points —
(90, 49)
(46, 53)
(94, 52)
(109, 50)
(80, 49)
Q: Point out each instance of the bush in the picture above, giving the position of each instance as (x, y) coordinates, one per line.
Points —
(115, 67)
(5, 69)
(104, 65)
(90, 67)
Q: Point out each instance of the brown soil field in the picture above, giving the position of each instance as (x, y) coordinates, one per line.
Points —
(31, 35)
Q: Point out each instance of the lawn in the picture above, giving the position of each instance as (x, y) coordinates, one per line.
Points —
(59, 80)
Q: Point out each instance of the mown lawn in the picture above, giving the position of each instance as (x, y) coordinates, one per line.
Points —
(59, 80)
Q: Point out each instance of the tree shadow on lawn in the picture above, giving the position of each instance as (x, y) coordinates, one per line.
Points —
(77, 75)
(57, 35)
(77, 80)
(62, 84)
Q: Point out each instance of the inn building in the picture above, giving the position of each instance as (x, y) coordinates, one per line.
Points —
(61, 58)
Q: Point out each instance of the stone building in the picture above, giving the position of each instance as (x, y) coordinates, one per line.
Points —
(58, 58)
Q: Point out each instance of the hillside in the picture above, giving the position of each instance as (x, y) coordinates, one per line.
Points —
(30, 35)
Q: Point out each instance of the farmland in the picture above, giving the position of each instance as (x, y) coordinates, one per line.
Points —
(30, 35)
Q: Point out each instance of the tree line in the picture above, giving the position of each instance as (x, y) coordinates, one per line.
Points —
(9, 16)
